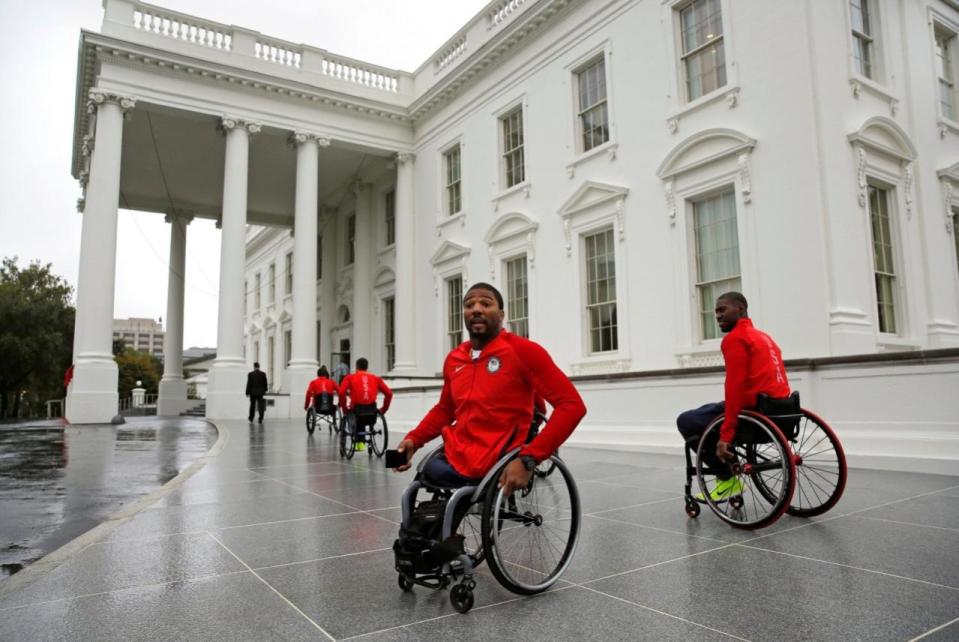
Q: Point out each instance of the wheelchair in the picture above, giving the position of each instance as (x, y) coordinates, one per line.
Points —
(366, 419)
(323, 409)
(547, 466)
(528, 539)
(787, 460)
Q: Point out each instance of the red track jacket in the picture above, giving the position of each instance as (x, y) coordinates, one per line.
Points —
(317, 387)
(486, 406)
(362, 386)
(754, 364)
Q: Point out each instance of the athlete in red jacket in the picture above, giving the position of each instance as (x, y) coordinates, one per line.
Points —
(486, 405)
(754, 365)
(360, 388)
(318, 386)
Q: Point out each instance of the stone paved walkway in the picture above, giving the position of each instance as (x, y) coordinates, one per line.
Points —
(276, 538)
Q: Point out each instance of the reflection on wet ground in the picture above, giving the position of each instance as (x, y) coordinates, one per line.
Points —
(57, 481)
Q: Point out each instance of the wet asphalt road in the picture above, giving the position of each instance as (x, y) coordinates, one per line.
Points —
(58, 482)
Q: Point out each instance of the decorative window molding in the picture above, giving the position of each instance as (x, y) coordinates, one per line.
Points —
(881, 138)
(594, 201)
(448, 259)
(510, 234)
(949, 178)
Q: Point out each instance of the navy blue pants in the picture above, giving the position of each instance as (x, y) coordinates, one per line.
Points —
(693, 423)
(439, 471)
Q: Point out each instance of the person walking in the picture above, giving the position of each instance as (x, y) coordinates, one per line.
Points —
(256, 387)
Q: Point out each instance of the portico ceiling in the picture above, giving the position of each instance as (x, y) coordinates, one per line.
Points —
(174, 160)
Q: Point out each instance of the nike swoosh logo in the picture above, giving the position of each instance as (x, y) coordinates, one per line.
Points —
(458, 368)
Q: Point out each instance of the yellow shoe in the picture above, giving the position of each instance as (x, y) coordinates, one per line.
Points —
(360, 445)
(725, 488)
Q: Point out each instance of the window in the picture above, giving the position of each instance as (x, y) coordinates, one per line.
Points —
(704, 55)
(454, 311)
(517, 302)
(319, 346)
(389, 338)
(256, 351)
(863, 40)
(245, 297)
(256, 280)
(513, 160)
(351, 240)
(453, 186)
(955, 232)
(390, 203)
(270, 352)
(601, 292)
(945, 43)
(272, 282)
(289, 273)
(319, 257)
(593, 115)
(287, 346)
(717, 255)
(882, 252)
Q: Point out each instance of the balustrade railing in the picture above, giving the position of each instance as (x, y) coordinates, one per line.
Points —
(178, 27)
(359, 73)
(280, 54)
(502, 11)
(451, 53)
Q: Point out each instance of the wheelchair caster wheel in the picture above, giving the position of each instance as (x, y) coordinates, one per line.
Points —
(404, 583)
(461, 598)
(692, 509)
(736, 502)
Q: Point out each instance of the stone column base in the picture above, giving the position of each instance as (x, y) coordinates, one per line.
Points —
(92, 397)
(295, 382)
(226, 398)
(172, 398)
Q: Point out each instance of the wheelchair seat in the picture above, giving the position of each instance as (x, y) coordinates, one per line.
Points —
(323, 403)
(366, 414)
(785, 413)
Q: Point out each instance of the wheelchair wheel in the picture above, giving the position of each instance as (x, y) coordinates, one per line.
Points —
(529, 539)
(820, 468)
(763, 475)
(546, 467)
(347, 443)
(379, 436)
(336, 420)
(310, 420)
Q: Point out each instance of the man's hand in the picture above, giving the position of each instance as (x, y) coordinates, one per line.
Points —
(408, 448)
(514, 477)
(723, 451)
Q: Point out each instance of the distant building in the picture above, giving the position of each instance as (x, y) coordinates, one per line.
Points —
(142, 335)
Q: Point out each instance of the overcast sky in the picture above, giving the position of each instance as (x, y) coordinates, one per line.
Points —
(38, 217)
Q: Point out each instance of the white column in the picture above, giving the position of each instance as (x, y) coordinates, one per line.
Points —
(172, 399)
(302, 368)
(363, 275)
(92, 396)
(327, 287)
(405, 301)
(227, 383)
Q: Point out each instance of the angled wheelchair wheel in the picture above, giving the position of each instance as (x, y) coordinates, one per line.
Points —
(820, 468)
(529, 538)
(347, 430)
(762, 479)
(310, 420)
(546, 467)
(337, 420)
(380, 436)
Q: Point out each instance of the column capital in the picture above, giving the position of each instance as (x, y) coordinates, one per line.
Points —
(405, 157)
(299, 137)
(179, 216)
(228, 123)
(97, 97)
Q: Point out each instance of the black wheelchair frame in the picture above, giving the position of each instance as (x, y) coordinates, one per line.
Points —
(376, 430)
(323, 409)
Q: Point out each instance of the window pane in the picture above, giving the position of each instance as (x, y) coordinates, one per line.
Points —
(717, 254)
(454, 309)
(388, 331)
(885, 273)
(351, 240)
(601, 291)
(390, 218)
(517, 304)
(513, 147)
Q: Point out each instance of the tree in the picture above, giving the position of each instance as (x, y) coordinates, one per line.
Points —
(138, 366)
(36, 336)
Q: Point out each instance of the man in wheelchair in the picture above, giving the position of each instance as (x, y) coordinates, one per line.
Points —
(754, 367)
(358, 393)
(486, 405)
(321, 393)
(484, 413)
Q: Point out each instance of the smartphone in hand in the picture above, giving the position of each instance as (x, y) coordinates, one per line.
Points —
(395, 459)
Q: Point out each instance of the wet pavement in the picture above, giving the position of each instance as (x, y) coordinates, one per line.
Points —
(59, 481)
(272, 536)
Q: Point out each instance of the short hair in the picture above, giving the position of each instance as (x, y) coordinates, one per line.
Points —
(735, 297)
(362, 363)
(486, 286)
(322, 372)
(256, 364)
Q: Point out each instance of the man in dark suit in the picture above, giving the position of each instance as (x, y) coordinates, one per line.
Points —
(256, 387)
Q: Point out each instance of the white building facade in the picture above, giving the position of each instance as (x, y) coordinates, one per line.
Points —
(610, 166)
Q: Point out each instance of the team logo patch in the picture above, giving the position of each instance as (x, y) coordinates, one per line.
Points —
(492, 365)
